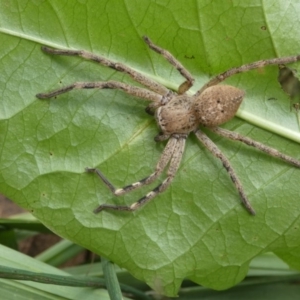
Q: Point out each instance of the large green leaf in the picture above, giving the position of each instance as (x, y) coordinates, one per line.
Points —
(197, 228)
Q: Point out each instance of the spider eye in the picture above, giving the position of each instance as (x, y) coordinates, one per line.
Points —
(218, 104)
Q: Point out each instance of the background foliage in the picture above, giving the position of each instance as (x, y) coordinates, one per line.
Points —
(196, 229)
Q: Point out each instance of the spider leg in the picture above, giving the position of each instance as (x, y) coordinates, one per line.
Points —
(173, 152)
(173, 61)
(270, 151)
(244, 68)
(162, 163)
(161, 137)
(129, 89)
(145, 81)
(210, 145)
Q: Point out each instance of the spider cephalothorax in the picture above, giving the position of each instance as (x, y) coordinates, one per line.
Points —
(177, 115)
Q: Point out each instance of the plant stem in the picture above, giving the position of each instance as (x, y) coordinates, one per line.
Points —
(111, 280)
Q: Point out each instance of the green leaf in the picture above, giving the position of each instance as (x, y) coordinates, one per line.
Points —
(34, 290)
(197, 229)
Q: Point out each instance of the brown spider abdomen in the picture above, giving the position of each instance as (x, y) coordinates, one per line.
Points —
(177, 116)
(218, 104)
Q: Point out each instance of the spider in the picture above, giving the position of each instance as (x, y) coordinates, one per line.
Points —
(177, 115)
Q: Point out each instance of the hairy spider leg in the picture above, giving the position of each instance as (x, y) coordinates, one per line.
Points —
(247, 67)
(212, 147)
(161, 165)
(185, 86)
(135, 75)
(129, 89)
(172, 152)
(270, 151)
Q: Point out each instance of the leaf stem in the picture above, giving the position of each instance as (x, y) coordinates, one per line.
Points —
(111, 280)
(76, 281)
(270, 126)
